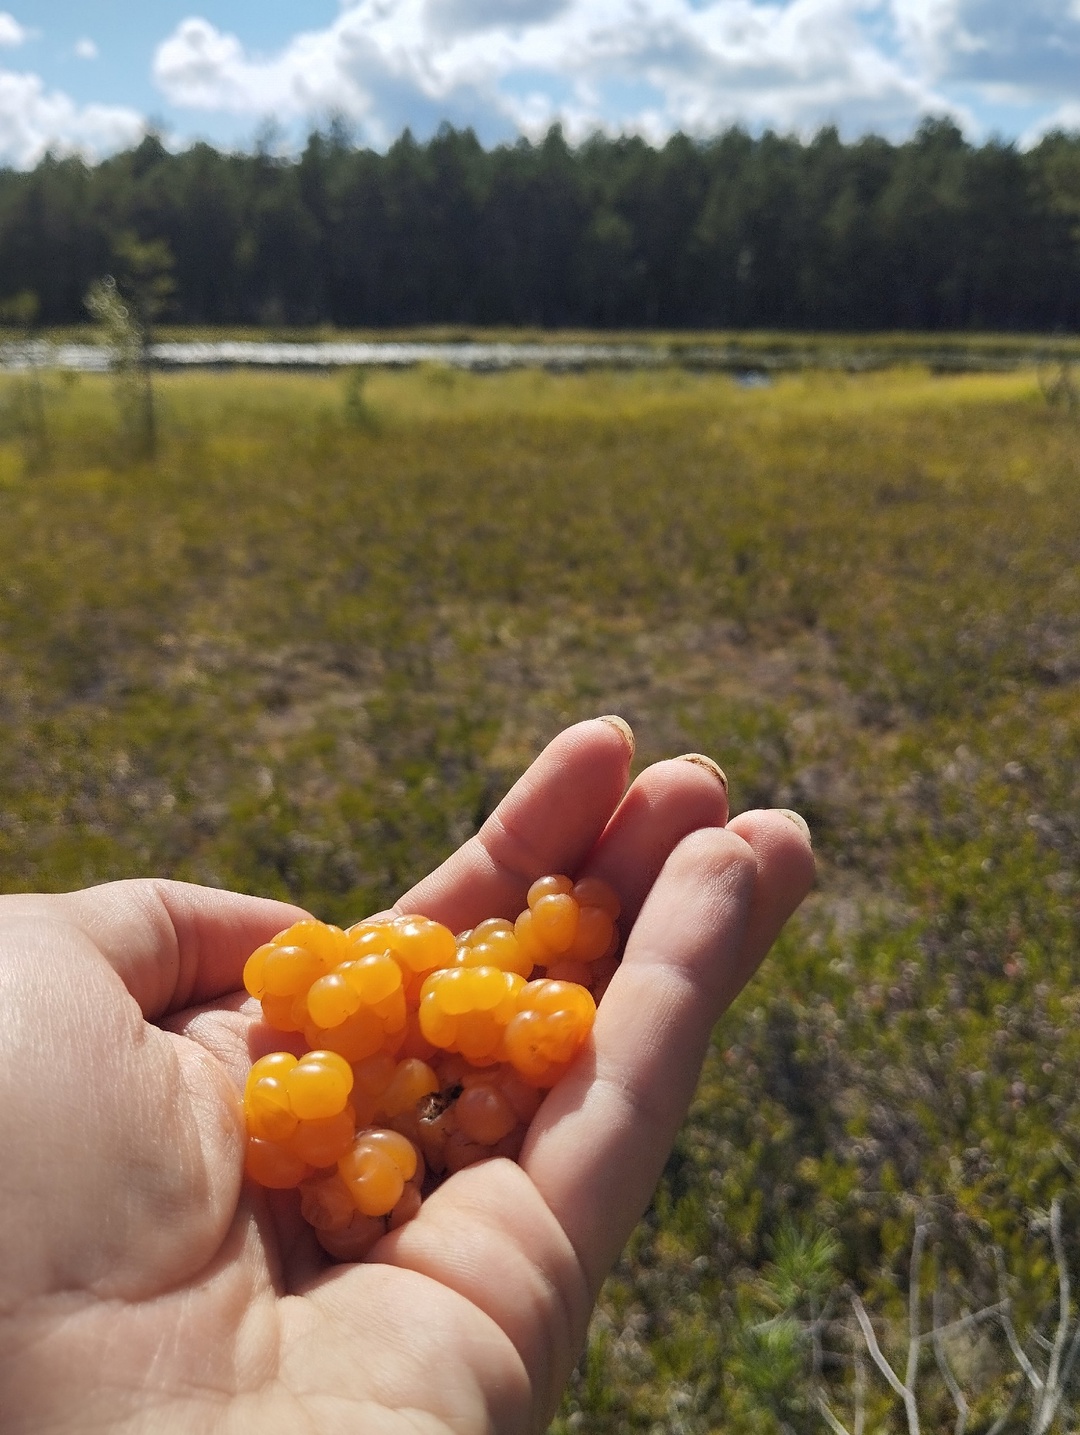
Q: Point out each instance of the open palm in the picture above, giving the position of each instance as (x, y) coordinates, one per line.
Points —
(143, 1285)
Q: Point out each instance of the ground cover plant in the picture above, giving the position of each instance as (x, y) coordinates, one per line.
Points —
(304, 651)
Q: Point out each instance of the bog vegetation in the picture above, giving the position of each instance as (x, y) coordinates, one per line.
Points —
(305, 650)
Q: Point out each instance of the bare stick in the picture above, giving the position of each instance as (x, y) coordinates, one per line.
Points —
(967, 1322)
(917, 1247)
(1053, 1392)
(946, 1370)
(830, 1419)
(1070, 1359)
(1057, 1377)
(906, 1395)
(1004, 1316)
(860, 1393)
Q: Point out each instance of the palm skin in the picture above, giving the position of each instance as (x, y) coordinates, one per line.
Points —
(144, 1286)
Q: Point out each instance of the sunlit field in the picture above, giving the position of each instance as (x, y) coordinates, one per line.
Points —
(305, 650)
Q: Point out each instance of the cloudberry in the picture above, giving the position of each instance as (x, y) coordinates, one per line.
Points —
(428, 1052)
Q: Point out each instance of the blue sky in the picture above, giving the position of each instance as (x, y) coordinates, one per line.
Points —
(91, 77)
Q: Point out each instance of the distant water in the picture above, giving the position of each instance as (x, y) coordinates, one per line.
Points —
(237, 353)
(751, 365)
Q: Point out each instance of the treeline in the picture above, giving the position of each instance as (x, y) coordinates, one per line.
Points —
(736, 231)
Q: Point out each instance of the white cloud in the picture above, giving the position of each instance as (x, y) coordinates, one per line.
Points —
(11, 32)
(1028, 47)
(927, 28)
(506, 65)
(34, 120)
(85, 49)
(1064, 117)
(465, 16)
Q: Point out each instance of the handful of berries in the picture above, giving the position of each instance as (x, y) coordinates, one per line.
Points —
(427, 1052)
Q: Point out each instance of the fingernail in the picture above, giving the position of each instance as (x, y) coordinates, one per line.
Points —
(707, 763)
(622, 727)
(800, 822)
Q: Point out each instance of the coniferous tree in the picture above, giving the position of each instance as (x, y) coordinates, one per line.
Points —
(731, 232)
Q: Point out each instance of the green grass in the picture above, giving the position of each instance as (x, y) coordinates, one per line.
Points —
(306, 650)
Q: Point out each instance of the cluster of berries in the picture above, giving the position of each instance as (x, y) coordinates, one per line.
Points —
(427, 1052)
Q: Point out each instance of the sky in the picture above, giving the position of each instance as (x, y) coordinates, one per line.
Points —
(92, 77)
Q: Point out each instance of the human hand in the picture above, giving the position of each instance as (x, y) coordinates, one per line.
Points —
(144, 1286)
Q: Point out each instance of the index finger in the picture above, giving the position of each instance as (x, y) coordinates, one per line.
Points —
(549, 821)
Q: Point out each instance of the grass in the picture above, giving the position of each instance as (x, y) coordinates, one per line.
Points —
(306, 650)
